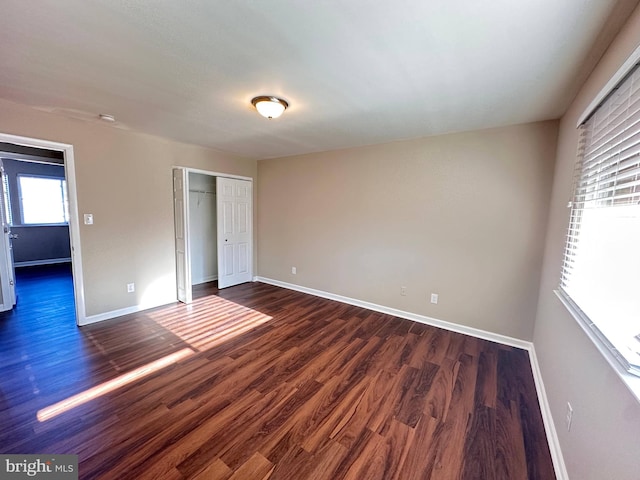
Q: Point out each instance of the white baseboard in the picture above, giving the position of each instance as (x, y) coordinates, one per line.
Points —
(549, 426)
(49, 261)
(133, 309)
(210, 278)
(120, 312)
(454, 327)
(552, 437)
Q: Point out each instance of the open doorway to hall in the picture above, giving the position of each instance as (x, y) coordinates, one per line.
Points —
(37, 274)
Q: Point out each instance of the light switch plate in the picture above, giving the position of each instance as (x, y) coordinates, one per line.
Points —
(88, 218)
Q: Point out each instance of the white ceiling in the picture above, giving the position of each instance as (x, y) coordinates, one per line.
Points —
(355, 72)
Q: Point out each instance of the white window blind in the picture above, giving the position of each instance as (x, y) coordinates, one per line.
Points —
(601, 268)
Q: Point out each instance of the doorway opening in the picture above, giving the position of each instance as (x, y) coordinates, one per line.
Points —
(39, 255)
(35, 209)
(203, 239)
(214, 231)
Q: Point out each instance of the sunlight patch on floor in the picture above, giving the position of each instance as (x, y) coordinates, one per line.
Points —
(111, 385)
(210, 322)
(203, 325)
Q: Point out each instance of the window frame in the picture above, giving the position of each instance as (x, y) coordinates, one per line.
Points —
(63, 180)
(602, 344)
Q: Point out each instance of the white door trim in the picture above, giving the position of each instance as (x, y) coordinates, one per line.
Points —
(7, 278)
(182, 240)
(211, 173)
(74, 222)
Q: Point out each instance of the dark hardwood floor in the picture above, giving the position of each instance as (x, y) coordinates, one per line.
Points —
(259, 382)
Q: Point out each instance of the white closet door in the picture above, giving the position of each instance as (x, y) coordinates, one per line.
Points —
(235, 231)
(183, 262)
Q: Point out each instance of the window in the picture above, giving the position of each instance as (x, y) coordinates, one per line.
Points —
(43, 200)
(601, 269)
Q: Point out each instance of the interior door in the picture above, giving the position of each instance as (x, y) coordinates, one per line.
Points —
(7, 275)
(235, 231)
(183, 261)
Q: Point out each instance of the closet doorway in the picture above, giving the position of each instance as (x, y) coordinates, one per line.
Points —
(214, 229)
(203, 228)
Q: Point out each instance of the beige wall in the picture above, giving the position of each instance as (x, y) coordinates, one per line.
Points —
(604, 441)
(461, 215)
(124, 179)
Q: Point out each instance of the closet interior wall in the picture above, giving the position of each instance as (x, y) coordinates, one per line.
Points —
(202, 228)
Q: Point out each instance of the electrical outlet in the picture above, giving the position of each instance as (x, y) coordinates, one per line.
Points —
(294, 270)
(403, 291)
(131, 287)
(434, 298)
(569, 416)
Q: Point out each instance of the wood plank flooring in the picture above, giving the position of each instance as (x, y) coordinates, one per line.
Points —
(268, 384)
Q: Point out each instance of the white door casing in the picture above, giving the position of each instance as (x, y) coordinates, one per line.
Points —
(181, 217)
(7, 275)
(235, 231)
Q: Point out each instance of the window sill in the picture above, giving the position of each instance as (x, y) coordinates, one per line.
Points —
(631, 381)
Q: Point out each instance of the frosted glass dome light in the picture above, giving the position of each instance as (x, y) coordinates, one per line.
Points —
(269, 107)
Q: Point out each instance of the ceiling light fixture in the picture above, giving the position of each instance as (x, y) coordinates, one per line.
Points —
(269, 107)
(107, 118)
